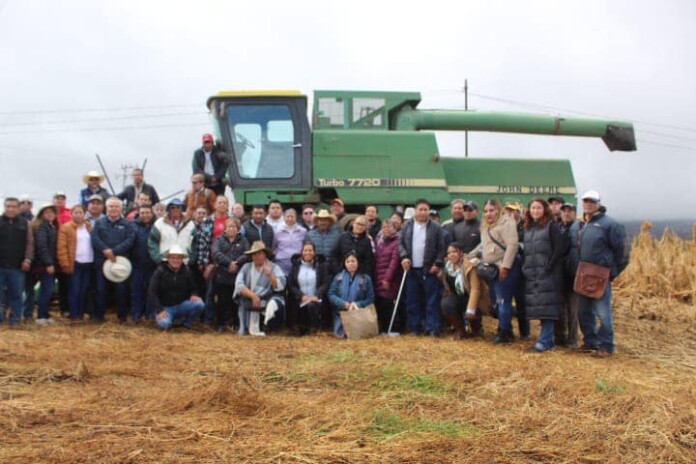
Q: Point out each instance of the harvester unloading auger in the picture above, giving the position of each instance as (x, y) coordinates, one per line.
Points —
(377, 147)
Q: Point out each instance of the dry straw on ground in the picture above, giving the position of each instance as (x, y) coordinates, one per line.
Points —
(133, 395)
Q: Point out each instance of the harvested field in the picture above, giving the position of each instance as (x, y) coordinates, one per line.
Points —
(104, 394)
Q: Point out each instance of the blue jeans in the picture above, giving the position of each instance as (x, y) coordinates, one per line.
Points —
(589, 311)
(47, 282)
(121, 295)
(423, 292)
(79, 283)
(189, 311)
(140, 280)
(501, 296)
(12, 281)
(546, 337)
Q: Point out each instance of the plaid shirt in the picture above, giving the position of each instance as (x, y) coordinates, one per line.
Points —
(201, 243)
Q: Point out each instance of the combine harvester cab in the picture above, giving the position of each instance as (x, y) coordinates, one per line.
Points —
(377, 147)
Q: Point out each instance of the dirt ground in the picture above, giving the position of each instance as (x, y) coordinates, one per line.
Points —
(112, 393)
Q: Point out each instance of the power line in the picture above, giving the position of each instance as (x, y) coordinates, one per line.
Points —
(107, 129)
(114, 118)
(99, 110)
(669, 145)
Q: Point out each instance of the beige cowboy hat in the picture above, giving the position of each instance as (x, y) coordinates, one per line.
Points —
(259, 246)
(324, 214)
(91, 174)
(117, 271)
(175, 250)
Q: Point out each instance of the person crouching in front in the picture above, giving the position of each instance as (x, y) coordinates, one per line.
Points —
(172, 292)
(259, 287)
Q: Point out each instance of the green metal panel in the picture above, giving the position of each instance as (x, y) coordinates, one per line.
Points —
(508, 179)
(369, 166)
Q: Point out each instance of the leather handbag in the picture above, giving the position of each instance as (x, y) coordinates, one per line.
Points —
(487, 270)
(591, 280)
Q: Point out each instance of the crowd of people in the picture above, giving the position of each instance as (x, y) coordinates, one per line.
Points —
(203, 261)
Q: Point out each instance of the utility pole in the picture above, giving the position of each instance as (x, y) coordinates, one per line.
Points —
(127, 170)
(466, 107)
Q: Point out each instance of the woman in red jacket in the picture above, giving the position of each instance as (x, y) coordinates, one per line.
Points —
(388, 273)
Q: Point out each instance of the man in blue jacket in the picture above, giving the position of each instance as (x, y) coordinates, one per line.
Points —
(601, 241)
(143, 265)
(112, 236)
(422, 251)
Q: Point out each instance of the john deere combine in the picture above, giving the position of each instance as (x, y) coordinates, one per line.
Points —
(376, 147)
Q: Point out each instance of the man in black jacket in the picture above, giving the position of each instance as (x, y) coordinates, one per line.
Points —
(422, 251)
(257, 228)
(467, 233)
(16, 253)
(131, 192)
(209, 161)
(172, 292)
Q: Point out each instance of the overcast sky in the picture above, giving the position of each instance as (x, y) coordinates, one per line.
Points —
(149, 66)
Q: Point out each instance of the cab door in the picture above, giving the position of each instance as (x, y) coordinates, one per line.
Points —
(269, 140)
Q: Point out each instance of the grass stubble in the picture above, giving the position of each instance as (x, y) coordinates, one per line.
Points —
(134, 395)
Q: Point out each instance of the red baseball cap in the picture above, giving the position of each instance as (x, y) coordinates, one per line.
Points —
(207, 138)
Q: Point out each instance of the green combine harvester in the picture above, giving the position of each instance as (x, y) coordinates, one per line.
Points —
(377, 147)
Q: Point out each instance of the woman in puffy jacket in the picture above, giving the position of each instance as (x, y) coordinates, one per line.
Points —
(349, 288)
(499, 245)
(544, 249)
(388, 273)
(76, 258)
(228, 255)
(45, 261)
(308, 282)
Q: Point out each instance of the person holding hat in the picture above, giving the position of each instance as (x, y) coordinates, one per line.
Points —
(93, 179)
(601, 241)
(172, 292)
(210, 162)
(113, 236)
(172, 229)
(76, 259)
(324, 235)
(259, 288)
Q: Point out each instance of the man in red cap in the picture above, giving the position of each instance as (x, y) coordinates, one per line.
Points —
(209, 161)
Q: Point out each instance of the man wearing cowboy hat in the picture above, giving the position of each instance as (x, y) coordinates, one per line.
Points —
(112, 237)
(172, 292)
(93, 180)
(324, 236)
(258, 288)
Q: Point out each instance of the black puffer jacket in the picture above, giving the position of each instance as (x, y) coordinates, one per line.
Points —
(226, 251)
(362, 245)
(45, 239)
(169, 287)
(544, 250)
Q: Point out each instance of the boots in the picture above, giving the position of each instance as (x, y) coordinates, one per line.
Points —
(456, 321)
(255, 324)
(503, 336)
(476, 325)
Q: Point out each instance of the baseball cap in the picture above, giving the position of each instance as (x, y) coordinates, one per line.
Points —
(60, 193)
(592, 195)
(557, 198)
(569, 205)
(95, 198)
(337, 200)
(471, 205)
(207, 138)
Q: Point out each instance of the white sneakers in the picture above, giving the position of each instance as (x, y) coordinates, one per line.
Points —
(45, 321)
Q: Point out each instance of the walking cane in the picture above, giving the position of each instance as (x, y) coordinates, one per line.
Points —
(396, 305)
